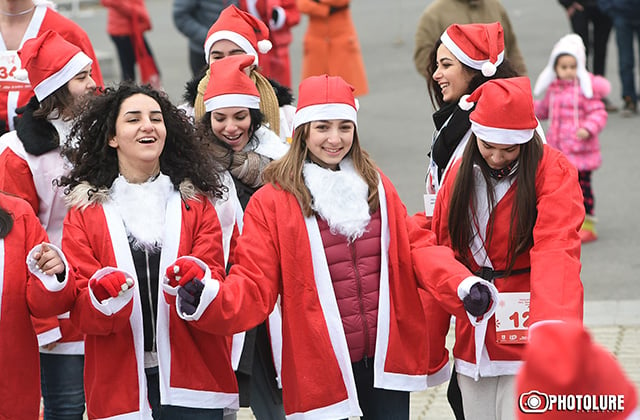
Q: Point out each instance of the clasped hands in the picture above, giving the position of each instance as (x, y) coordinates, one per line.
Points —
(188, 275)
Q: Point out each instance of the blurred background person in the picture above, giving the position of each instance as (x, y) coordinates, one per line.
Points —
(193, 18)
(331, 43)
(594, 27)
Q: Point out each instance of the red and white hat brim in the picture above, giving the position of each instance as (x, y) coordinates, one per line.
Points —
(232, 100)
(502, 135)
(234, 37)
(52, 83)
(332, 111)
(464, 58)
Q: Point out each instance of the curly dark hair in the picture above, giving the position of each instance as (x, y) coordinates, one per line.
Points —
(95, 162)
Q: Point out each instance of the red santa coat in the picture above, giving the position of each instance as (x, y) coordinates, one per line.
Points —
(554, 280)
(44, 18)
(195, 367)
(24, 291)
(280, 252)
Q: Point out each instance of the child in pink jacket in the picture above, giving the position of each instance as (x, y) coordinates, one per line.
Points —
(573, 105)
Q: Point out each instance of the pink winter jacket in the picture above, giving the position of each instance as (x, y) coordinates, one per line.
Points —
(567, 109)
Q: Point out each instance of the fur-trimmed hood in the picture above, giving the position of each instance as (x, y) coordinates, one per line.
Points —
(84, 194)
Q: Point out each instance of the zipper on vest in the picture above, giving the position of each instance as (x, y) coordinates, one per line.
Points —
(363, 315)
(153, 319)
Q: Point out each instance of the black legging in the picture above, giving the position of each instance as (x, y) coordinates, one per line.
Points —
(596, 43)
(127, 56)
(585, 184)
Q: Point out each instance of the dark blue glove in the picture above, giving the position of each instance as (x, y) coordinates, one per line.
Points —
(478, 300)
(189, 296)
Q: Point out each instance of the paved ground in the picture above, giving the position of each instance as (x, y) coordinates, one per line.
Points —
(395, 127)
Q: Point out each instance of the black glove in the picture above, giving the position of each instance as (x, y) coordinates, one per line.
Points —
(189, 296)
(478, 300)
(332, 9)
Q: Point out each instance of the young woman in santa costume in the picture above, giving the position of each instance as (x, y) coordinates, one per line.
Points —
(30, 161)
(510, 209)
(21, 20)
(463, 58)
(140, 193)
(328, 234)
(243, 147)
(35, 279)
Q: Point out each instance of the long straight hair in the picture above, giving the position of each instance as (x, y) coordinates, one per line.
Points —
(523, 213)
(286, 173)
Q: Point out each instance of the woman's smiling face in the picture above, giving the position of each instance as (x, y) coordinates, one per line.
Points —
(231, 125)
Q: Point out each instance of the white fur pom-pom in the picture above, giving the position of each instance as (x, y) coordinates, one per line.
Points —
(464, 104)
(22, 75)
(488, 69)
(264, 46)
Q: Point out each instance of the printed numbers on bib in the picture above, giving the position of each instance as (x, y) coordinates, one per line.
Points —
(512, 318)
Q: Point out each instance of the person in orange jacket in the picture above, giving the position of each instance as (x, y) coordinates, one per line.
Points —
(331, 43)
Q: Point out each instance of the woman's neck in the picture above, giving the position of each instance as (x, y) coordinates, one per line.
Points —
(14, 20)
(138, 175)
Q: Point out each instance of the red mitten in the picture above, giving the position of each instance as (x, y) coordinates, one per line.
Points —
(110, 285)
(183, 271)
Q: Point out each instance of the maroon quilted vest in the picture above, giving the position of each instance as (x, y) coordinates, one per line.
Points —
(355, 273)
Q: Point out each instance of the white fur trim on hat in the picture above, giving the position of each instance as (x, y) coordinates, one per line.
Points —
(570, 44)
(62, 76)
(465, 59)
(232, 100)
(264, 46)
(501, 135)
(488, 69)
(234, 37)
(464, 104)
(333, 111)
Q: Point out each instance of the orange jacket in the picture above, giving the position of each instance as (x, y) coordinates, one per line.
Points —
(331, 43)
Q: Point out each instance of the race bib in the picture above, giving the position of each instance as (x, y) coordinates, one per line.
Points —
(9, 65)
(512, 318)
(429, 204)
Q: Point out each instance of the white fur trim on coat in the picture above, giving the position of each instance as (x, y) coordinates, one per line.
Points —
(339, 197)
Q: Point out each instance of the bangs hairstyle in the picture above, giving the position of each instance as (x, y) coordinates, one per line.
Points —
(286, 172)
(504, 71)
(523, 213)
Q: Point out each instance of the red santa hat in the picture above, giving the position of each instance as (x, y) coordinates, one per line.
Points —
(241, 28)
(562, 359)
(504, 111)
(478, 45)
(570, 44)
(229, 85)
(50, 62)
(325, 98)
